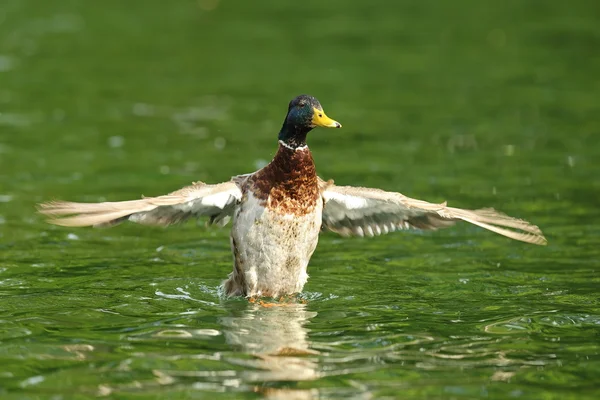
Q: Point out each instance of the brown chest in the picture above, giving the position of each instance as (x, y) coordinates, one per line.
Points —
(288, 185)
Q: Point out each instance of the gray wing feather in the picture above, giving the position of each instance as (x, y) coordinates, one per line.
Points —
(198, 200)
(367, 212)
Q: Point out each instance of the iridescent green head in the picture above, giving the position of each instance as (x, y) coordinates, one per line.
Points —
(304, 114)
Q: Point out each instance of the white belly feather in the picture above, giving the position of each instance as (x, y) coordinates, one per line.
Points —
(272, 250)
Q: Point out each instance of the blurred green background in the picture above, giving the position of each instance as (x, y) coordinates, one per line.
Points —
(477, 102)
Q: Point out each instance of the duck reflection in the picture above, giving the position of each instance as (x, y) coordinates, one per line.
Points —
(276, 337)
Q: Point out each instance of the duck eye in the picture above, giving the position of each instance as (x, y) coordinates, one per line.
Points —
(302, 105)
(320, 115)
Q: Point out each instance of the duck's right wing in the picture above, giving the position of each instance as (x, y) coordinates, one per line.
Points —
(198, 200)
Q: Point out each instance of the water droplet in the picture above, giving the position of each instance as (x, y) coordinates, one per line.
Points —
(571, 161)
(260, 163)
(220, 143)
(34, 380)
(16, 120)
(116, 141)
(7, 63)
(143, 110)
(509, 150)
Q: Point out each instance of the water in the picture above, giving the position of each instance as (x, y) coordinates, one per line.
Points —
(480, 105)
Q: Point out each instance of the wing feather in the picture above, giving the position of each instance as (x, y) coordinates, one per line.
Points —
(367, 212)
(199, 199)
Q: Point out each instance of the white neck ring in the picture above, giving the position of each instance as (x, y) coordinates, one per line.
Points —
(287, 146)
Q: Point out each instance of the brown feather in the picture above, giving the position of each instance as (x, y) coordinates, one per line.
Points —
(289, 183)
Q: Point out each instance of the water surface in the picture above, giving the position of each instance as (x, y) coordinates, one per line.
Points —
(460, 101)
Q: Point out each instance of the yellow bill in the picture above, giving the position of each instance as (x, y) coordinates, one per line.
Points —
(320, 119)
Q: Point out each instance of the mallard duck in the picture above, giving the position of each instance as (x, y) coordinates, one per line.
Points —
(279, 211)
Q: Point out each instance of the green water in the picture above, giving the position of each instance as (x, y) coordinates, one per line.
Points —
(480, 103)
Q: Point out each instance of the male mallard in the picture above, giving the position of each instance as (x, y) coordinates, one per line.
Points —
(279, 210)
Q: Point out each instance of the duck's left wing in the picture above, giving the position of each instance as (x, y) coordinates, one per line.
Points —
(367, 212)
(198, 200)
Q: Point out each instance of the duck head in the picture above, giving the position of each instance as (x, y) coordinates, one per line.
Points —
(304, 114)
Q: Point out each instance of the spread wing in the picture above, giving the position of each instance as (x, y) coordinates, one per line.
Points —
(198, 200)
(363, 211)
